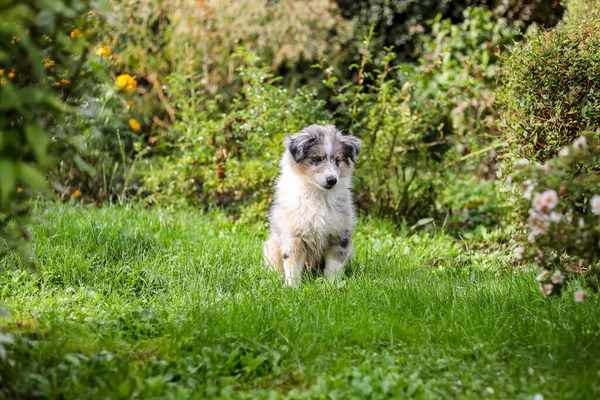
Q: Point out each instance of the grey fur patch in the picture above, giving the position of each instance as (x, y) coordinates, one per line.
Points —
(307, 143)
(300, 143)
(343, 240)
(351, 147)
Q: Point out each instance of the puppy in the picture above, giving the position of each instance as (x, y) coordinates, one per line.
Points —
(312, 215)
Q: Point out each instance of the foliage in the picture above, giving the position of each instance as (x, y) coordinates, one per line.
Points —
(44, 46)
(158, 39)
(578, 10)
(524, 13)
(396, 173)
(457, 71)
(114, 129)
(231, 159)
(179, 306)
(416, 120)
(471, 203)
(126, 130)
(397, 23)
(551, 89)
(561, 202)
(400, 23)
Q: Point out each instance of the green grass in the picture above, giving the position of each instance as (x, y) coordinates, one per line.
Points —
(133, 303)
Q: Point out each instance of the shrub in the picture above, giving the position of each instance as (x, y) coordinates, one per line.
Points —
(44, 45)
(114, 130)
(399, 164)
(457, 70)
(577, 10)
(561, 202)
(523, 13)
(400, 23)
(551, 89)
(231, 159)
(151, 41)
(159, 38)
(413, 126)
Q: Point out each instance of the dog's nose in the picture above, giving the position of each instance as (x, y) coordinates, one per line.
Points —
(331, 180)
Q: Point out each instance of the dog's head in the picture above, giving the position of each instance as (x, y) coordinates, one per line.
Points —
(323, 154)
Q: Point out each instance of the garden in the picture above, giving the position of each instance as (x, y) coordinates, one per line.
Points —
(139, 145)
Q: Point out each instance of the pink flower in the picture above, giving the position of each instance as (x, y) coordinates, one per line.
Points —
(563, 152)
(557, 278)
(545, 201)
(519, 253)
(537, 219)
(536, 231)
(527, 189)
(555, 217)
(595, 203)
(580, 295)
(546, 288)
(580, 143)
(521, 162)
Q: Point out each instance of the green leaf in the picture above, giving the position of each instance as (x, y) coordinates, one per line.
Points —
(38, 140)
(8, 182)
(31, 177)
(83, 165)
(8, 97)
(422, 222)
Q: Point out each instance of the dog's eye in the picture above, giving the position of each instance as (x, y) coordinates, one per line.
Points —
(316, 159)
(338, 161)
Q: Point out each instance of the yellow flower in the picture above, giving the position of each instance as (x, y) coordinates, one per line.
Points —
(63, 82)
(77, 193)
(134, 125)
(129, 103)
(103, 51)
(1, 72)
(126, 82)
(48, 62)
(19, 189)
(76, 33)
(11, 74)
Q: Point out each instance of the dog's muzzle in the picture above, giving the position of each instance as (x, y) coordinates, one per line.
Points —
(330, 182)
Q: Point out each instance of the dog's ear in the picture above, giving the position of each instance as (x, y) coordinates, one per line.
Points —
(351, 147)
(299, 144)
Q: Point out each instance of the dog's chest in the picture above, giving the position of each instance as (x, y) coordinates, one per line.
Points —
(318, 218)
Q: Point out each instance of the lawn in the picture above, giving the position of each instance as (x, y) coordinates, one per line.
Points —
(133, 303)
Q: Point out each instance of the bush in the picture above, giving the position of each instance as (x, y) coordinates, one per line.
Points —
(523, 13)
(551, 89)
(458, 68)
(394, 21)
(561, 202)
(44, 46)
(416, 121)
(400, 23)
(231, 159)
(578, 10)
(156, 39)
(151, 42)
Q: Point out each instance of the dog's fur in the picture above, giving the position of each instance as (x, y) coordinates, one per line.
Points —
(312, 216)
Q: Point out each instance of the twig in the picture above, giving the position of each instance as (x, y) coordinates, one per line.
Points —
(494, 146)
